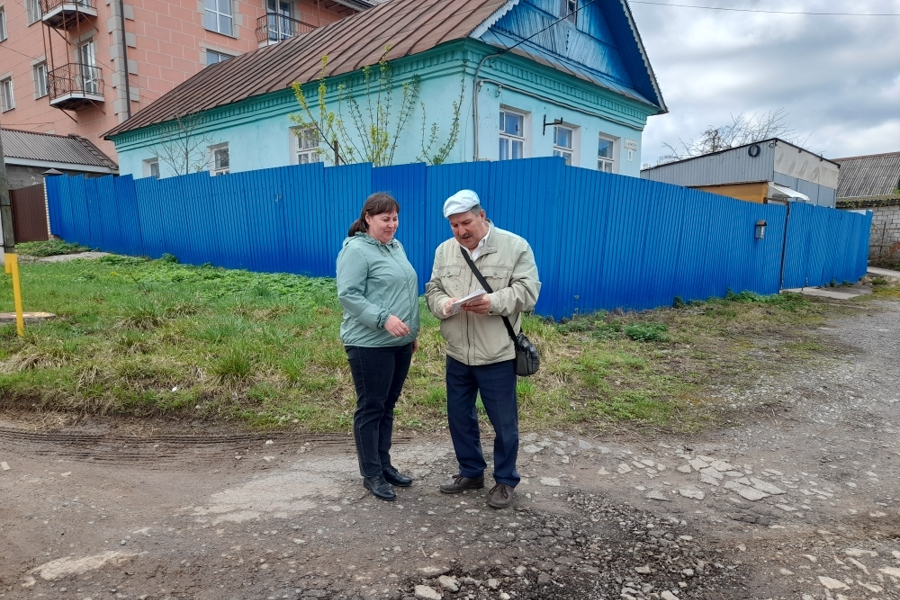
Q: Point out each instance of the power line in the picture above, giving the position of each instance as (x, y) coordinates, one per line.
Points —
(768, 12)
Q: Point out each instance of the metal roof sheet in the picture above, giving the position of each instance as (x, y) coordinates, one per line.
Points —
(47, 147)
(873, 175)
(405, 26)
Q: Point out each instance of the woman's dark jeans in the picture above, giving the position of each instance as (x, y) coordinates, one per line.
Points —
(378, 374)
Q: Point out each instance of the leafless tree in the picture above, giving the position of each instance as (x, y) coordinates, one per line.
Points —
(184, 148)
(742, 130)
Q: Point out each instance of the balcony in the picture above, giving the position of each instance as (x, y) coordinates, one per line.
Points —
(273, 28)
(74, 86)
(64, 14)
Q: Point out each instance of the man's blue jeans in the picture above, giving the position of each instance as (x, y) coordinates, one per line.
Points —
(497, 385)
(378, 375)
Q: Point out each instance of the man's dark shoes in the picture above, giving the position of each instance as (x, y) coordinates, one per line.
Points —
(460, 483)
(379, 488)
(500, 496)
(395, 477)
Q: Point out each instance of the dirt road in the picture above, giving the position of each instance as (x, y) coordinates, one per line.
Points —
(800, 501)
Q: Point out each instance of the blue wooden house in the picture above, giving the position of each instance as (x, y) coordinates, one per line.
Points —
(530, 78)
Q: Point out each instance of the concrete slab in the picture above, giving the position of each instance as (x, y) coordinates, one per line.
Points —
(30, 317)
(836, 293)
(883, 272)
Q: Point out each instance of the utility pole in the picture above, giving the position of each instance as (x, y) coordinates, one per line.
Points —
(9, 243)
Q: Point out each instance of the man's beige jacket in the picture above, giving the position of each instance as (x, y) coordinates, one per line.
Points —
(507, 263)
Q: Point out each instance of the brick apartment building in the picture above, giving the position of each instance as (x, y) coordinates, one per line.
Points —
(63, 62)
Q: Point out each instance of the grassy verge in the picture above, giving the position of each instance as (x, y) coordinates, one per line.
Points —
(49, 248)
(154, 338)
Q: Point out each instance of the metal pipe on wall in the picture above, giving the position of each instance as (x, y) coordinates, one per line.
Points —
(125, 59)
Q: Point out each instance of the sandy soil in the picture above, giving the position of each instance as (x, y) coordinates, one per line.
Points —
(800, 500)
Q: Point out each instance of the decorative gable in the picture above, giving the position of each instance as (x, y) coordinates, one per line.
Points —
(599, 43)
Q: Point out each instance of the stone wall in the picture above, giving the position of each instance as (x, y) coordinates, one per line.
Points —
(884, 241)
(885, 238)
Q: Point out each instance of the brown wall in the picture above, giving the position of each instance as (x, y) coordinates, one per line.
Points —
(751, 192)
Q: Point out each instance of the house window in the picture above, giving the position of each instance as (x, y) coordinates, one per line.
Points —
(512, 135)
(218, 160)
(568, 9)
(606, 158)
(213, 57)
(33, 10)
(306, 145)
(2, 23)
(39, 74)
(7, 99)
(217, 16)
(562, 143)
(151, 168)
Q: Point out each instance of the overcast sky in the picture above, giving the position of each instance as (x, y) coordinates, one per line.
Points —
(838, 77)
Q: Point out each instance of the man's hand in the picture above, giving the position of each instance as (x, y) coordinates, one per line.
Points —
(446, 308)
(396, 327)
(416, 345)
(480, 305)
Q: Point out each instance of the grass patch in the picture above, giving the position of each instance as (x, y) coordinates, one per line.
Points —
(49, 248)
(139, 338)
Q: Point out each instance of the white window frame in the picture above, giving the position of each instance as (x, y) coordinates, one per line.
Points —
(212, 16)
(41, 79)
(215, 167)
(510, 139)
(305, 147)
(567, 152)
(568, 10)
(7, 94)
(148, 167)
(3, 30)
(33, 10)
(608, 161)
(222, 56)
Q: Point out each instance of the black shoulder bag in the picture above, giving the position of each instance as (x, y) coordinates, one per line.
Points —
(528, 361)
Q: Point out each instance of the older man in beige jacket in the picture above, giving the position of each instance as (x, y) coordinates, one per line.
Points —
(480, 353)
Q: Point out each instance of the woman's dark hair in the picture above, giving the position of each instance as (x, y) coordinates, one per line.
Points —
(376, 204)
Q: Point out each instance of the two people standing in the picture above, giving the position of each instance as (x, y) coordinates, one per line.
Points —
(480, 354)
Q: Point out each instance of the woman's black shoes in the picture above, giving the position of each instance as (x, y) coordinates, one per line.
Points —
(395, 477)
(379, 488)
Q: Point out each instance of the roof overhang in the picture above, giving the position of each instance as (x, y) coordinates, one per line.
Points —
(781, 192)
(49, 164)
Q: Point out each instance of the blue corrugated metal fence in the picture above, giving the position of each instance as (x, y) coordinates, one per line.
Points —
(601, 241)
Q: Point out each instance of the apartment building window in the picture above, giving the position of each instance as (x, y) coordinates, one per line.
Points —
(306, 145)
(90, 74)
(563, 138)
(2, 23)
(151, 168)
(213, 57)
(39, 74)
(568, 9)
(512, 135)
(33, 10)
(7, 99)
(606, 158)
(217, 16)
(219, 161)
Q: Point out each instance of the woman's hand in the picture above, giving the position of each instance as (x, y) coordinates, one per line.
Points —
(416, 345)
(396, 327)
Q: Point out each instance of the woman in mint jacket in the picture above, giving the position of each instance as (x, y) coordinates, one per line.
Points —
(378, 290)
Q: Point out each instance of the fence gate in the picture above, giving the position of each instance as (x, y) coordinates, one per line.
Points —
(29, 214)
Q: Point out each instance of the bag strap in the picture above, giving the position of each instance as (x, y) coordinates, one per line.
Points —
(487, 288)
